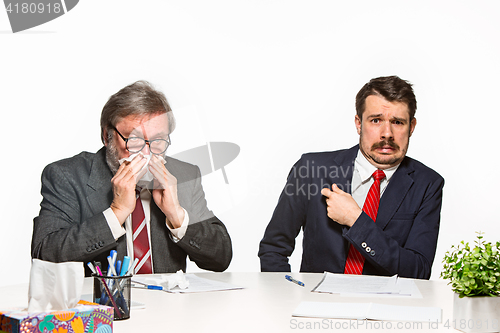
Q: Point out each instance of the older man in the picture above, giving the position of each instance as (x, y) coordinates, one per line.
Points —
(369, 209)
(129, 196)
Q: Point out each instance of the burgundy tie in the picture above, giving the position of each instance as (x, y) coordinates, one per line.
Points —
(142, 250)
(355, 261)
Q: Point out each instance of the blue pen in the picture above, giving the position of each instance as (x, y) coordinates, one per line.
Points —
(291, 279)
(154, 287)
(147, 286)
(125, 265)
(118, 267)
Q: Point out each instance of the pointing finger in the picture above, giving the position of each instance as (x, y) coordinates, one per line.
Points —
(326, 192)
(336, 189)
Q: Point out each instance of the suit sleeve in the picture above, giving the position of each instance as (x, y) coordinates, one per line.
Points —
(206, 241)
(414, 258)
(288, 218)
(59, 234)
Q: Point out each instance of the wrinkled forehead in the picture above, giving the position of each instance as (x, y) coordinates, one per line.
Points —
(146, 125)
(376, 106)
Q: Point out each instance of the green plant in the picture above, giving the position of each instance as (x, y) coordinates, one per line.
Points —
(473, 271)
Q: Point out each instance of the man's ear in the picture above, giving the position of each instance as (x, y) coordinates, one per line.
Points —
(105, 137)
(413, 123)
(357, 121)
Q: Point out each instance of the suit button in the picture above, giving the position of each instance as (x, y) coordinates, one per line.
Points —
(372, 253)
(368, 249)
(89, 249)
(363, 245)
(101, 244)
(194, 244)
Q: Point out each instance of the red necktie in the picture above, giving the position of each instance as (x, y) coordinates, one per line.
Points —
(142, 250)
(355, 261)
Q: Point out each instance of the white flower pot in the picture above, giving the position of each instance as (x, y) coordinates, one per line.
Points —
(476, 314)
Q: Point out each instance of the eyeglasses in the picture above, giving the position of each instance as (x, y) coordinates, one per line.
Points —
(135, 144)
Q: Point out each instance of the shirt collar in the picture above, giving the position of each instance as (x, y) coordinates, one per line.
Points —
(366, 169)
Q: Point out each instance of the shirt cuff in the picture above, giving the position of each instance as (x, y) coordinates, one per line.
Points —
(114, 225)
(178, 233)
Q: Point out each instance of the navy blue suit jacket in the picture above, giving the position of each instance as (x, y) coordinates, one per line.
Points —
(402, 241)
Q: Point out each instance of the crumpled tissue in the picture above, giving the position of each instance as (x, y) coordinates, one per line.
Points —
(54, 286)
(174, 280)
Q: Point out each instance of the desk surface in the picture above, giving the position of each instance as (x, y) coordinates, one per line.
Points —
(265, 304)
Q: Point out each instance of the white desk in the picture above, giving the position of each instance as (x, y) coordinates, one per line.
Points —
(265, 305)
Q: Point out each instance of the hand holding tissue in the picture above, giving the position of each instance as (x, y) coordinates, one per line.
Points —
(144, 176)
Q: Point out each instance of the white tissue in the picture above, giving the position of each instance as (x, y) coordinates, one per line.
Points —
(173, 280)
(54, 286)
(147, 176)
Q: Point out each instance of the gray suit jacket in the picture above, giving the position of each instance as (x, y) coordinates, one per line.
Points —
(71, 224)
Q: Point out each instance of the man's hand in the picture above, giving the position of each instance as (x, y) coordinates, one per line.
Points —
(341, 207)
(165, 193)
(123, 184)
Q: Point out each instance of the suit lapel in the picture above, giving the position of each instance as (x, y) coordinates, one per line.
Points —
(394, 194)
(98, 191)
(346, 163)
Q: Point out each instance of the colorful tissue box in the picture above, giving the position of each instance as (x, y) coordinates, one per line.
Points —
(85, 318)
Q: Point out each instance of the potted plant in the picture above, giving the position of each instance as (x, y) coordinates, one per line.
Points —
(474, 274)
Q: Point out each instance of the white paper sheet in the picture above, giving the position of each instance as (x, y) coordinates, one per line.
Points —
(371, 311)
(350, 285)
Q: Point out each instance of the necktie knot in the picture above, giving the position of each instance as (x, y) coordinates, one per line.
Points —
(378, 175)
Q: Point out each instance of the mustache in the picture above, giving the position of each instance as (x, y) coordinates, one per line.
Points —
(383, 143)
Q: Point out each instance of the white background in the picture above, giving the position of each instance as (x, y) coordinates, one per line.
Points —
(278, 78)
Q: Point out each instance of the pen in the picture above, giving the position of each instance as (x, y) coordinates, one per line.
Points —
(147, 286)
(118, 267)
(111, 271)
(125, 265)
(97, 264)
(92, 268)
(104, 297)
(291, 279)
(131, 269)
(113, 255)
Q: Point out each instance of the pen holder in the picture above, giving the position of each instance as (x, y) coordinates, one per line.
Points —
(113, 291)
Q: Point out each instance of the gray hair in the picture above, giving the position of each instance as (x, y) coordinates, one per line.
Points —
(139, 98)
